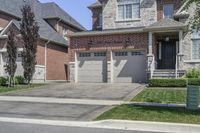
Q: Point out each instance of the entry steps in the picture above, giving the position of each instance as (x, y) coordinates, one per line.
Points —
(167, 73)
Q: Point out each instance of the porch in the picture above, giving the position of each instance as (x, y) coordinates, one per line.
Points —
(165, 49)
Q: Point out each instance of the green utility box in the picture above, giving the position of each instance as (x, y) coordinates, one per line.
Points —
(193, 97)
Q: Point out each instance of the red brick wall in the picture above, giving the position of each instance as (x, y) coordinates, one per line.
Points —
(160, 3)
(57, 58)
(108, 43)
(4, 20)
(41, 53)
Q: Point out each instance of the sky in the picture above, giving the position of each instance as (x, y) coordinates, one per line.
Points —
(77, 9)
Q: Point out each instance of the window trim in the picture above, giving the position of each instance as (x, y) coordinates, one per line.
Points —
(164, 10)
(124, 4)
(192, 55)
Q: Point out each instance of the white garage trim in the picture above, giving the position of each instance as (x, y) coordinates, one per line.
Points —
(76, 68)
(111, 69)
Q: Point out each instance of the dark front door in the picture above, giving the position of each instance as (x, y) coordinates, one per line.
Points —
(166, 55)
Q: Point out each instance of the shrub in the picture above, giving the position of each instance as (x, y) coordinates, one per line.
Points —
(19, 80)
(167, 82)
(3, 81)
(194, 81)
(193, 73)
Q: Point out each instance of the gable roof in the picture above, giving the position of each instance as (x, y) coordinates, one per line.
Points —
(52, 10)
(166, 23)
(46, 31)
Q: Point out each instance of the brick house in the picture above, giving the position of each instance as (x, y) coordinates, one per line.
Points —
(133, 40)
(55, 26)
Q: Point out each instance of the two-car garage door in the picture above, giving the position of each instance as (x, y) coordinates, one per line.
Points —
(127, 67)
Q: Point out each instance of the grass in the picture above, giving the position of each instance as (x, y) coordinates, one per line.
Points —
(158, 114)
(166, 95)
(4, 89)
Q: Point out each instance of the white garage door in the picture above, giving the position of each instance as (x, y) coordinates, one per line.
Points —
(129, 67)
(92, 67)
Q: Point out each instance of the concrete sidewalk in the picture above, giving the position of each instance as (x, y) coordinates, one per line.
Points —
(61, 100)
(113, 124)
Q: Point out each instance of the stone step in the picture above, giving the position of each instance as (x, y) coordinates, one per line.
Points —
(167, 73)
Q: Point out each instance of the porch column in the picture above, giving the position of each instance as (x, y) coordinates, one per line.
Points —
(151, 62)
(180, 53)
(2, 64)
(180, 42)
(150, 46)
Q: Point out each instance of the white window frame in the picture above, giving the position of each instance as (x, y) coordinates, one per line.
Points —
(124, 4)
(164, 10)
(194, 37)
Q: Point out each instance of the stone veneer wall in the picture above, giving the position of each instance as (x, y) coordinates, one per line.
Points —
(148, 15)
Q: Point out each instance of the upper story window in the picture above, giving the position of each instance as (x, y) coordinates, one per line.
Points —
(99, 20)
(168, 10)
(65, 33)
(128, 9)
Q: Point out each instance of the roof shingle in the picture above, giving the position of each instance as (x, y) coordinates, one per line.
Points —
(42, 11)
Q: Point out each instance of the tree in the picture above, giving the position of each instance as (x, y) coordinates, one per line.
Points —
(194, 21)
(29, 30)
(11, 64)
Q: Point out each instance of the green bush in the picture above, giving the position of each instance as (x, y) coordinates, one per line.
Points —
(193, 73)
(167, 82)
(3, 81)
(194, 81)
(19, 80)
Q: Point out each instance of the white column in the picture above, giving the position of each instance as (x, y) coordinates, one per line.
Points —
(150, 43)
(180, 42)
(111, 68)
(76, 68)
(2, 64)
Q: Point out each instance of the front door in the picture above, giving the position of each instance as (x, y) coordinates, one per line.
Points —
(166, 55)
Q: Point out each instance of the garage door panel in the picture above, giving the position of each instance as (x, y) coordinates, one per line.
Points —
(92, 69)
(130, 68)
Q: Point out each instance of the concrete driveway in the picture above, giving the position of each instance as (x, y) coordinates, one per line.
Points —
(93, 93)
(83, 91)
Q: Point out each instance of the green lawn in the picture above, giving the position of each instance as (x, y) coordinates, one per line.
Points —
(159, 114)
(166, 95)
(18, 87)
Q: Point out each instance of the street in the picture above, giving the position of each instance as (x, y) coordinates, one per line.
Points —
(34, 128)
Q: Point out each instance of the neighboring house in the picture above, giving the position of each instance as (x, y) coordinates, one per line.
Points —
(55, 27)
(133, 40)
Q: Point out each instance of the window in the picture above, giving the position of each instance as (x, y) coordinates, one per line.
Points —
(99, 21)
(137, 53)
(100, 54)
(121, 53)
(65, 32)
(168, 10)
(128, 9)
(196, 50)
(196, 45)
(84, 54)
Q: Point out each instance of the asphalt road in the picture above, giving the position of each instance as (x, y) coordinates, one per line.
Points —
(50, 111)
(32, 128)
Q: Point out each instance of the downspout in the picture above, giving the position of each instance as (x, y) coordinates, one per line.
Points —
(45, 59)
